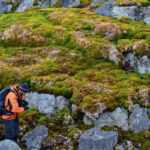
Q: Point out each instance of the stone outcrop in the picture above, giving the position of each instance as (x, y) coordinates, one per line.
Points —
(139, 119)
(132, 11)
(22, 5)
(95, 139)
(8, 145)
(139, 63)
(47, 103)
(34, 138)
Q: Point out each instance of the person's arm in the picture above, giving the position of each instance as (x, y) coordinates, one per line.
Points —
(15, 106)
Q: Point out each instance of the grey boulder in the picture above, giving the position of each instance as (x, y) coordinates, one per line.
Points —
(4, 7)
(34, 138)
(46, 103)
(139, 119)
(132, 12)
(106, 8)
(8, 145)
(119, 118)
(71, 3)
(94, 139)
(25, 4)
(140, 64)
(146, 12)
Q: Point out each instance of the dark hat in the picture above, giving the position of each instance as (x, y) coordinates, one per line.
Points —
(24, 87)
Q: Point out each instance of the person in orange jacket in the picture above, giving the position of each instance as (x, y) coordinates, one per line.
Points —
(12, 104)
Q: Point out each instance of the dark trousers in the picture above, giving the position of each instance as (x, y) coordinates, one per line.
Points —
(11, 129)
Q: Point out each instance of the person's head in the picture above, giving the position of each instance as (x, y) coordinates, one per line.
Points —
(23, 88)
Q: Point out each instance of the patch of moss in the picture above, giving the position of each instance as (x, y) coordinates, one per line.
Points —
(133, 2)
(74, 61)
(142, 138)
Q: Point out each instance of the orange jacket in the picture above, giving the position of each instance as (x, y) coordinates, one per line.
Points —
(11, 100)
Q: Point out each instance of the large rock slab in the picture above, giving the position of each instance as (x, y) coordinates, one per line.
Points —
(139, 119)
(140, 64)
(25, 4)
(8, 145)
(71, 3)
(111, 8)
(106, 8)
(46, 103)
(34, 138)
(4, 7)
(146, 12)
(132, 12)
(119, 118)
(95, 139)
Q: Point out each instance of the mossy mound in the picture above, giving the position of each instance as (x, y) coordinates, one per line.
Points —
(66, 52)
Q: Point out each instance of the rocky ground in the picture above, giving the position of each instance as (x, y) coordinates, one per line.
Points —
(89, 73)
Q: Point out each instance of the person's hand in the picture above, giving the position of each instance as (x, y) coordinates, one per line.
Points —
(25, 104)
(26, 108)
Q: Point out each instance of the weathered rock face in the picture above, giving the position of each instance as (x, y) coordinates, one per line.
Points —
(95, 139)
(139, 119)
(136, 122)
(132, 11)
(9, 145)
(106, 8)
(146, 12)
(4, 7)
(119, 117)
(22, 5)
(25, 4)
(35, 137)
(70, 3)
(140, 64)
(47, 103)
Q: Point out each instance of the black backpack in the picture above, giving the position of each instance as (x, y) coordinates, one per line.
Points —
(3, 94)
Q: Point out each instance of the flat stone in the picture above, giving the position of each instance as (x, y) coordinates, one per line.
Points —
(94, 139)
(139, 119)
(34, 138)
(9, 145)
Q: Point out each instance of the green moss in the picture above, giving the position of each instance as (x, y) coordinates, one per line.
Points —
(85, 1)
(133, 2)
(46, 67)
(74, 60)
(145, 145)
(74, 63)
(62, 113)
(61, 91)
(72, 131)
(142, 138)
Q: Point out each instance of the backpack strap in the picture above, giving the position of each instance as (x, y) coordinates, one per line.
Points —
(8, 107)
(17, 94)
